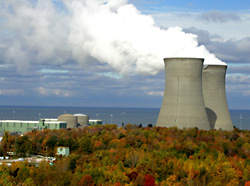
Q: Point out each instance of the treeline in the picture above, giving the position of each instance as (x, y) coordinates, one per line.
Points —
(109, 155)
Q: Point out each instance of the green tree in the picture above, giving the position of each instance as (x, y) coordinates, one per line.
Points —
(51, 142)
(73, 161)
(23, 145)
(4, 143)
(86, 145)
(23, 173)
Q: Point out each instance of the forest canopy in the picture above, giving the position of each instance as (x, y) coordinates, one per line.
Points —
(111, 155)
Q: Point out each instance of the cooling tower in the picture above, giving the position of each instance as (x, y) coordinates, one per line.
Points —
(213, 85)
(183, 104)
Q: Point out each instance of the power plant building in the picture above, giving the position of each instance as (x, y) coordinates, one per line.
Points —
(63, 121)
(183, 104)
(95, 122)
(17, 126)
(82, 120)
(70, 119)
(74, 121)
(214, 93)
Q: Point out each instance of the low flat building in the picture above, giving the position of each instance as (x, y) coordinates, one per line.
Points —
(95, 122)
(63, 121)
(18, 126)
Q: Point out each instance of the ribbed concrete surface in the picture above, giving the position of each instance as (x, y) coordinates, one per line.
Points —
(183, 104)
(214, 93)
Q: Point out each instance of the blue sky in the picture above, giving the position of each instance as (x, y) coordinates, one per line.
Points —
(46, 60)
(224, 5)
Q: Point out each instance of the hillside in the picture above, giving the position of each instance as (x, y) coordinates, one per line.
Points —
(109, 155)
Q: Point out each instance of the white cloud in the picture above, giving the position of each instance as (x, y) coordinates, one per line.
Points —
(112, 32)
(246, 93)
(238, 79)
(155, 93)
(111, 74)
(46, 91)
(231, 51)
(12, 92)
(46, 71)
(182, 18)
(220, 16)
(239, 85)
(49, 50)
(243, 45)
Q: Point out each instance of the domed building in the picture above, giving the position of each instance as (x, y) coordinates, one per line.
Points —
(82, 120)
(70, 119)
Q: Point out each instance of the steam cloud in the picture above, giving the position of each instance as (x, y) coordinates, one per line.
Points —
(112, 32)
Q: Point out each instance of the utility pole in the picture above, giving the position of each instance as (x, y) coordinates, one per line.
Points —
(240, 120)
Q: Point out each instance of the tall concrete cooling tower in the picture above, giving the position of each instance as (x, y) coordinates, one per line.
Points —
(183, 104)
(213, 85)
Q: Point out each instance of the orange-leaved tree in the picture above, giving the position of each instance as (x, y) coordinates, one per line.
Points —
(247, 183)
(87, 180)
(149, 180)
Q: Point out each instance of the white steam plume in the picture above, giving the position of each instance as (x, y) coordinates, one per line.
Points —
(110, 31)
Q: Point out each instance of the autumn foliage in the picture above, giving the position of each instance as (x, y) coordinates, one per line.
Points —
(87, 180)
(149, 180)
(130, 156)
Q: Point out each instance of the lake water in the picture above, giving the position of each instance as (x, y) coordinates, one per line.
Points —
(144, 116)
